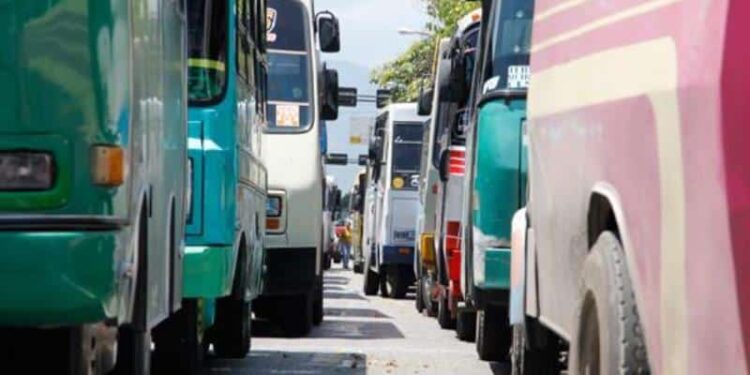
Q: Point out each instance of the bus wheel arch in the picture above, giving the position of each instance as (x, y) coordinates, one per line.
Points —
(134, 338)
(174, 242)
(232, 330)
(239, 280)
(601, 217)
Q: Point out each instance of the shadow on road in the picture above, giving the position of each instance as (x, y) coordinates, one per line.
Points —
(335, 280)
(356, 330)
(345, 295)
(335, 288)
(336, 329)
(282, 362)
(354, 313)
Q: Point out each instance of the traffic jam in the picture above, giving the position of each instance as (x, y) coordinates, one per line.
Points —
(528, 187)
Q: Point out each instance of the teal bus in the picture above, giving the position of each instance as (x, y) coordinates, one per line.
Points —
(93, 164)
(223, 265)
(497, 168)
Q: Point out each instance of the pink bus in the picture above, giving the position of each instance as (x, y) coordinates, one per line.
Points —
(634, 251)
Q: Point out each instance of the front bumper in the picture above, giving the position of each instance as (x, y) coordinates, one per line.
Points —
(57, 277)
(208, 271)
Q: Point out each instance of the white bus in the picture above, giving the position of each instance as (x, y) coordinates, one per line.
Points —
(299, 98)
(389, 259)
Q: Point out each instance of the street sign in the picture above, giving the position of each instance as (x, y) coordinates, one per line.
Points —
(382, 98)
(359, 129)
(347, 96)
(337, 159)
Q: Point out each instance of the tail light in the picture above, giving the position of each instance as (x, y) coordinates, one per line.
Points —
(457, 161)
(453, 250)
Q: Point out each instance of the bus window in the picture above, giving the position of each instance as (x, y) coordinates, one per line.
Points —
(289, 69)
(470, 54)
(407, 148)
(207, 51)
(510, 46)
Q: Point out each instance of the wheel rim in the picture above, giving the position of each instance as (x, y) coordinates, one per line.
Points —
(588, 345)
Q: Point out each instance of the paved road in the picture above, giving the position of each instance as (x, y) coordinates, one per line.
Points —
(360, 335)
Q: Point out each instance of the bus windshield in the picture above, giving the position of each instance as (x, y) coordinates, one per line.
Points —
(207, 50)
(511, 45)
(290, 86)
(407, 149)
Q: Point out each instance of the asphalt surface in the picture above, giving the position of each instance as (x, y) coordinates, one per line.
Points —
(360, 335)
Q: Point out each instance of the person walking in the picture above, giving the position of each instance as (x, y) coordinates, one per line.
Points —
(345, 244)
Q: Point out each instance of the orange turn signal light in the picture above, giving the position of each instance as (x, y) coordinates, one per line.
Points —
(273, 223)
(108, 165)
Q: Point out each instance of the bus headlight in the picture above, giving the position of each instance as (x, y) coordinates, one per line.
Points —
(26, 171)
(273, 206)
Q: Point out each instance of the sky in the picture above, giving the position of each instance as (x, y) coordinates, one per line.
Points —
(369, 38)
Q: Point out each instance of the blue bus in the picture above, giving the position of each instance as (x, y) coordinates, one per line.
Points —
(224, 256)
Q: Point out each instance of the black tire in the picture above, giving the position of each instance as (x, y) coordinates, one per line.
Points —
(79, 358)
(133, 351)
(608, 338)
(494, 334)
(431, 306)
(541, 359)
(466, 325)
(232, 331)
(395, 284)
(371, 282)
(297, 315)
(419, 298)
(358, 267)
(179, 342)
(318, 305)
(444, 318)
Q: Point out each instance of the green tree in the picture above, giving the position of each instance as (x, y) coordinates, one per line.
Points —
(412, 69)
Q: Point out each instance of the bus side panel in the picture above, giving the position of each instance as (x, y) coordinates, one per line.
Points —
(497, 189)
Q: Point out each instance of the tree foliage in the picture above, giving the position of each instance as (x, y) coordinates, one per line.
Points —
(406, 74)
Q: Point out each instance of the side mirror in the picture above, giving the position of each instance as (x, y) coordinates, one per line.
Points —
(443, 166)
(330, 104)
(375, 144)
(362, 160)
(337, 159)
(329, 33)
(382, 98)
(424, 106)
